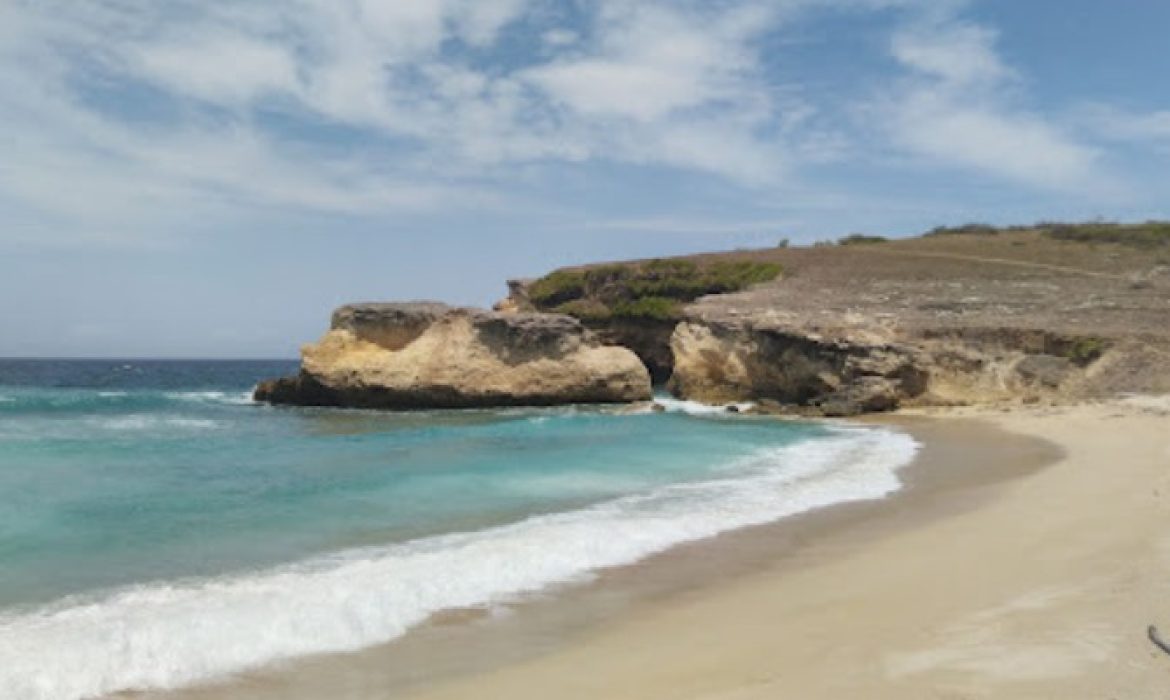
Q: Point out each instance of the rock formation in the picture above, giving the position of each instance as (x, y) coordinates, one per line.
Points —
(973, 315)
(964, 317)
(429, 355)
(806, 371)
(953, 320)
(723, 362)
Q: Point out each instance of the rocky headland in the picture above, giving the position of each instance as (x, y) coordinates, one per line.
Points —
(429, 355)
(973, 315)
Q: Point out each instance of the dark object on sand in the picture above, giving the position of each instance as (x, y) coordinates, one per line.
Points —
(1152, 633)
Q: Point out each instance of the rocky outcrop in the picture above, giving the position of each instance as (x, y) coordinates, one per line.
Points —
(805, 370)
(638, 303)
(648, 338)
(1014, 317)
(722, 362)
(429, 355)
(517, 300)
(966, 316)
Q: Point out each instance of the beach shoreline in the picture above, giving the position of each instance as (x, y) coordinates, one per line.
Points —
(975, 467)
(1043, 589)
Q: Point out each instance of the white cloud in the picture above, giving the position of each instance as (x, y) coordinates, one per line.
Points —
(1021, 147)
(961, 55)
(479, 21)
(76, 173)
(229, 70)
(378, 107)
(956, 107)
(614, 88)
(412, 84)
(559, 37)
(1122, 125)
(671, 84)
(404, 27)
(653, 61)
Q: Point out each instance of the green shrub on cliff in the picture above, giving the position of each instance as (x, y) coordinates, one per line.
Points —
(607, 274)
(732, 276)
(650, 308)
(584, 309)
(557, 287)
(651, 290)
(1085, 350)
(860, 239)
(674, 279)
(1150, 234)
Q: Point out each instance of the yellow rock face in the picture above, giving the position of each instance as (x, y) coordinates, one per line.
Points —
(390, 356)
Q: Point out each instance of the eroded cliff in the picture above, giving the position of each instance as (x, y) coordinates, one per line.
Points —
(953, 319)
(969, 315)
(636, 304)
(429, 355)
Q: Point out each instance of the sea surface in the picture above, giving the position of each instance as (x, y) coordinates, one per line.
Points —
(158, 528)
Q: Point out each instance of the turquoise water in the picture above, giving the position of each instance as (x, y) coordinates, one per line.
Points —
(150, 512)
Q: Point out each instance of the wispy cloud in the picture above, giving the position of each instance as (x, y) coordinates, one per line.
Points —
(153, 115)
(958, 106)
(1116, 124)
(362, 106)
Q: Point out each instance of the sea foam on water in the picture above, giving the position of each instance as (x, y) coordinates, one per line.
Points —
(165, 635)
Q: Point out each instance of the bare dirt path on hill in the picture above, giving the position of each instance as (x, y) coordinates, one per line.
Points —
(1000, 261)
(1007, 281)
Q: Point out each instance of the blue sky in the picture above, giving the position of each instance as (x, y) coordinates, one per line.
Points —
(194, 178)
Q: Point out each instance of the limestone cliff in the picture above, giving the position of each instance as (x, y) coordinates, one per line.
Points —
(637, 304)
(805, 371)
(1050, 313)
(724, 362)
(1010, 316)
(428, 355)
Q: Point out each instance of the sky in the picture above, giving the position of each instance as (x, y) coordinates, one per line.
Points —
(197, 178)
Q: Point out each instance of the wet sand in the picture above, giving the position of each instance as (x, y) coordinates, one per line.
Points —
(1024, 558)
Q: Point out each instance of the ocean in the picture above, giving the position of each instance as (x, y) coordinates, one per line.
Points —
(158, 528)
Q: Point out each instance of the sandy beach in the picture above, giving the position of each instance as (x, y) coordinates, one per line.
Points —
(1026, 558)
(1043, 591)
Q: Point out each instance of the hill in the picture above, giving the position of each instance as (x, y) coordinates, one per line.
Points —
(971, 313)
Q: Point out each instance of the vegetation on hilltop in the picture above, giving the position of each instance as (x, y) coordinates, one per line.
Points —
(1149, 234)
(860, 239)
(652, 290)
(657, 290)
(972, 229)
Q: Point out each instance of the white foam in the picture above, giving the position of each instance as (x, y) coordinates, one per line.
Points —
(137, 422)
(163, 636)
(234, 398)
(194, 423)
(560, 485)
(695, 408)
